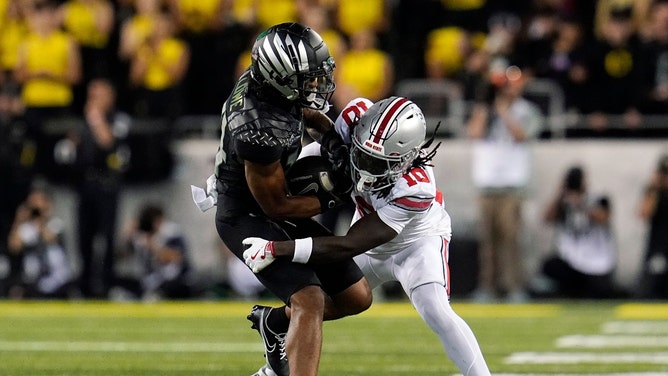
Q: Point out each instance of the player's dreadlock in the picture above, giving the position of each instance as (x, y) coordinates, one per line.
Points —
(425, 160)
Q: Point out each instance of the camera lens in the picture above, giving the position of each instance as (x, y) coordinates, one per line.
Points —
(35, 212)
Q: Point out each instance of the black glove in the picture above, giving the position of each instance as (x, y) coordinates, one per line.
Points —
(337, 153)
(328, 200)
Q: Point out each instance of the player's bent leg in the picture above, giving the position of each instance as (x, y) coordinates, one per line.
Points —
(304, 340)
(351, 301)
(459, 342)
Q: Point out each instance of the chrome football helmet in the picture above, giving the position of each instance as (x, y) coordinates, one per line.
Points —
(294, 60)
(385, 143)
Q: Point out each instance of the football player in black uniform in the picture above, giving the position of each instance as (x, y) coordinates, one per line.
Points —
(284, 92)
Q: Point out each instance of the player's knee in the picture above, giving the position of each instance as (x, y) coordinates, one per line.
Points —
(310, 299)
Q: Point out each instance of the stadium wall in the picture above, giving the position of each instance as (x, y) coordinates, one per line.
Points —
(617, 168)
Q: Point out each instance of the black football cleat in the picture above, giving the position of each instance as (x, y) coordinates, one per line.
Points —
(274, 343)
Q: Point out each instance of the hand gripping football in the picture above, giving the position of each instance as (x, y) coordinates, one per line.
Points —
(310, 176)
(313, 176)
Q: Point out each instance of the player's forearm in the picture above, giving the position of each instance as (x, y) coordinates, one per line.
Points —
(317, 250)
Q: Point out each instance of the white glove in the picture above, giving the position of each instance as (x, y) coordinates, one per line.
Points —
(205, 200)
(259, 254)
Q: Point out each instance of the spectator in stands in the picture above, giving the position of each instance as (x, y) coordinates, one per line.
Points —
(447, 50)
(654, 211)
(101, 158)
(261, 14)
(133, 31)
(585, 254)
(200, 24)
(136, 29)
(318, 18)
(363, 71)
(561, 59)
(161, 252)
(157, 70)
(48, 68)
(13, 29)
(90, 22)
(612, 65)
(40, 264)
(655, 61)
(502, 123)
(354, 16)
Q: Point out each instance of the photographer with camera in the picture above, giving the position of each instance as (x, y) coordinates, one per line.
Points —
(502, 123)
(39, 264)
(585, 254)
(654, 211)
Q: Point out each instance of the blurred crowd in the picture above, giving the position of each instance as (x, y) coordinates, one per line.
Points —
(168, 58)
(91, 89)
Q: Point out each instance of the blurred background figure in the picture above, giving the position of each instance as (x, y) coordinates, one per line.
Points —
(240, 280)
(502, 124)
(364, 70)
(654, 211)
(613, 62)
(161, 254)
(40, 267)
(585, 253)
(157, 70)
(48, 67)
(100, 157)
(91, 23)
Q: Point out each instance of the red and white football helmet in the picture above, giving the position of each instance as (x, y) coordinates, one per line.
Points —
(385, 143)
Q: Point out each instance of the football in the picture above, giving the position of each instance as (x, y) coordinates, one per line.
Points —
(310, 176)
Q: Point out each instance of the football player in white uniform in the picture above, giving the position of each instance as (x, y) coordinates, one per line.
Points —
(400, 230)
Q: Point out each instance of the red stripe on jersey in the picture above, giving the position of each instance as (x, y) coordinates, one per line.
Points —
(413, 204)
(389, 115)
(439, 197)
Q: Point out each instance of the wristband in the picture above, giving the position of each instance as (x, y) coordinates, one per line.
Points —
(303, 249)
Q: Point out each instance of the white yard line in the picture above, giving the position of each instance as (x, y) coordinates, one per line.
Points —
(606, 341)
(578, 357)
(635, 327)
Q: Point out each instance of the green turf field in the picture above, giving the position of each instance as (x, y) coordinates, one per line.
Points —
(214, 338)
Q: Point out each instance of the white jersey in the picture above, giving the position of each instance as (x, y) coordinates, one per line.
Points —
(414, 208)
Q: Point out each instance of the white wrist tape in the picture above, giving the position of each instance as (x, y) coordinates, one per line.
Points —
(303, 248)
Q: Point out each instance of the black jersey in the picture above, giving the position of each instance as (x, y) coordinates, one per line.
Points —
(256, 131)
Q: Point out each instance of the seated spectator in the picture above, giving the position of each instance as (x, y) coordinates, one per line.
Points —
(39, 263)
(161, 253)
(585, 254)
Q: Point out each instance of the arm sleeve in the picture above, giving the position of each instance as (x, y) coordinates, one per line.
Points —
(258, 146)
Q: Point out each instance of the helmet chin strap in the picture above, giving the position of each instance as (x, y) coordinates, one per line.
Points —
(365, 178)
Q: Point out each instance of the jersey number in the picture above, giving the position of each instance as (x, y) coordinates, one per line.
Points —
(416, 175)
